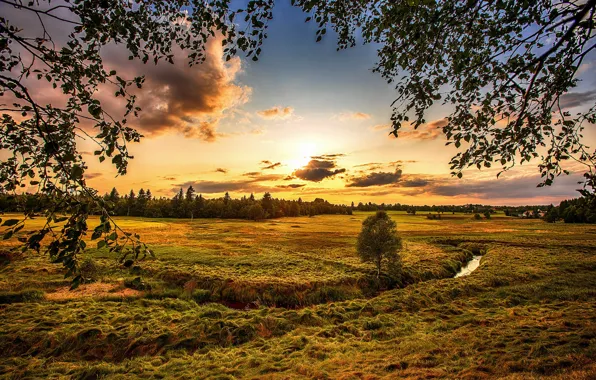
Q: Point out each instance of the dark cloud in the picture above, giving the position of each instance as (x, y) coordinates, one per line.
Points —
(221, 170)
(376, 179)
(328, 156)
(319, 168)
(92, 175)
(179, 98)
(266, 162)
(419, 182)
(576, 99)
(272, 166)
(520, 187)
(289, 178)
(250, 184)
(211, 187)
(291, 186)
(169, 178)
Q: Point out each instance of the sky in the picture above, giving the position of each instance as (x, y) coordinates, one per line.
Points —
(304, 121)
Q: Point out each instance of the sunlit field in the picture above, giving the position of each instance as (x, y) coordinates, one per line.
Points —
(289, 298)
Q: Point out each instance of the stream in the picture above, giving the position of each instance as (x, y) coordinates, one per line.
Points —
(470, 267)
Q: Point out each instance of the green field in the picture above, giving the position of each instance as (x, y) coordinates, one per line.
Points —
(288, 298)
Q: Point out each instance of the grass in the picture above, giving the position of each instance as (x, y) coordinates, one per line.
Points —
(527, 312)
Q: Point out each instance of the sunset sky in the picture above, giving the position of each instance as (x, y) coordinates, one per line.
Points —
(305, 121)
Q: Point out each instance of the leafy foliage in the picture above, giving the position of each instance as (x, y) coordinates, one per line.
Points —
(503, 65)
(42, 137)
(579, 210)
(378, 242)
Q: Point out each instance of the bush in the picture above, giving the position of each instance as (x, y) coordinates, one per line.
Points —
(137, 283)
(7, 257)
(201, 295)
(477, 217)
(89, 270)
(22, 296)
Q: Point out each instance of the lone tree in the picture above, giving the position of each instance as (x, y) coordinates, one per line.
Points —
(506, 67)
(378, 242)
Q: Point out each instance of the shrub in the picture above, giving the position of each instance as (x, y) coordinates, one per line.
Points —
(137, 283)
(7, 257)
(201, 295)
(477, 217)
(22, 296)
(89, 270)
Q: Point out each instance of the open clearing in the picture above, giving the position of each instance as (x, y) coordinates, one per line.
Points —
(288, 298)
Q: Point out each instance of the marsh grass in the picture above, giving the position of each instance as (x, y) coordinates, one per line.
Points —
(529, 310)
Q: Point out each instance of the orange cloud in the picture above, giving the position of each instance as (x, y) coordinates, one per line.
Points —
(352, 116)
(277, 112)
(430, 131)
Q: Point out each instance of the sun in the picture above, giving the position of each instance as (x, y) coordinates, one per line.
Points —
(303, 151)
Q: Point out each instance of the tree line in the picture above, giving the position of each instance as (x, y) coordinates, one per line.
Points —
(579, 210)
(187, 204)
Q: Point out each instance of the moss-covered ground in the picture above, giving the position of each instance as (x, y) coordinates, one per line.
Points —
(288, 298)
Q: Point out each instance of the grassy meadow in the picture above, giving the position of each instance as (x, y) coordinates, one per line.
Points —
(288, 298)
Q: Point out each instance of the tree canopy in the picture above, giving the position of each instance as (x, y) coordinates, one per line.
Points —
(378, 242)
(503, 66)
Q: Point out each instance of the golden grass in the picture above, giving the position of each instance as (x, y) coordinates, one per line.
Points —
(529, 311)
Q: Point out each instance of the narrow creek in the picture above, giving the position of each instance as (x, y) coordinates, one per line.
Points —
(470, 267)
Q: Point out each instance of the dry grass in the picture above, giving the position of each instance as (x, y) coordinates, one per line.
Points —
(529, 311)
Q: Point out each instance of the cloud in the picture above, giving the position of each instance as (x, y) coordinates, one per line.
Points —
(258, 176)
(92, 175)
(381, 127)
(271, 166)
(277, 112)
(401, 162)
(521, 187)
(178, 98)
(291, 186)
(221, 170)
(429, 131)
(352, 116)
(251, 183)
(415, 182)
(368, 167)
(319, 168)
(212, 187)
(576, 99)
(376, 179)
(328, 156)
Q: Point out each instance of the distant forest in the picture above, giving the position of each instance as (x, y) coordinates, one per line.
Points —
(188, 204)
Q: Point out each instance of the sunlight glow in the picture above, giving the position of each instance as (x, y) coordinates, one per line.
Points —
(304, 152)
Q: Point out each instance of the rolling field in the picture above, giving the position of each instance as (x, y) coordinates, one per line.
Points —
(288, 298)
